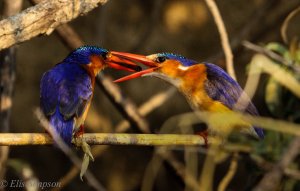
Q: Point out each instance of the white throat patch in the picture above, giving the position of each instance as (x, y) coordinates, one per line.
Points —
(183, 67)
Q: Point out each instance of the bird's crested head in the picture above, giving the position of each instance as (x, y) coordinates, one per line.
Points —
(94, 59)
(83, 54)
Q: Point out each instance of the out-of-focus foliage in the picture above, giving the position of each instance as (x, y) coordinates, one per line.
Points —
(282, 104)
(280, 101)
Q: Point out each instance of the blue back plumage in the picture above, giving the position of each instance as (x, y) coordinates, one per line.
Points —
(82, 54)
(184, 61)
(221, 87)
(64, 93)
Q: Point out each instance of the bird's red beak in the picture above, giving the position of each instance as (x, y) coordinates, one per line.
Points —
(138, 58)
(121, 63)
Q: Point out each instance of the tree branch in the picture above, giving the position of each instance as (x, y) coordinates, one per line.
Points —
(42, 19)
(20, 139)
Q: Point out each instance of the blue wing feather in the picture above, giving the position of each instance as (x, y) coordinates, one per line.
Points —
(65, 91)
(48, 93)
(221, 87)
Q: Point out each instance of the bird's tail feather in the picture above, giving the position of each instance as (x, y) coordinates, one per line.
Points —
(62, 127)
(259, 132)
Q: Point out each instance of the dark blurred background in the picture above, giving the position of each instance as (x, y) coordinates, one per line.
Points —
(141, 26)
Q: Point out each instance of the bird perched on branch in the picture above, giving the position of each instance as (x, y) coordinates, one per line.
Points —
(206, 86)
(67, 89)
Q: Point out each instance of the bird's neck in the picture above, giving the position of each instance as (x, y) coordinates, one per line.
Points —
(94, 67)
(193, 79)
(192, 86)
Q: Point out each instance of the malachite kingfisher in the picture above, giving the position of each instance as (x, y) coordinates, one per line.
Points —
(66, 90)
(206, 86)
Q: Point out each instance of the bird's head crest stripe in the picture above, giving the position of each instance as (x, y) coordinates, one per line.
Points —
(171, 55)
(82, 54)
(183, 60)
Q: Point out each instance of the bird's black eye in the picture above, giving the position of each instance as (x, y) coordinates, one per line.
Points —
(161, 59)
(104, 55)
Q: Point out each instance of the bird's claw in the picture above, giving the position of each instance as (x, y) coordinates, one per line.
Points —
(79, 132)
(86, 158)
(87, 150)
(79, 142)
(204, 135)
(85, 164)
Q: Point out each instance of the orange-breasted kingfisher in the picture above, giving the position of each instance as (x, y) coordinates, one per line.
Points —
(206, 86)
(67, 89)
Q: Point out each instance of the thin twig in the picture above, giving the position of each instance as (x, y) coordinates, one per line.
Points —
(295, 174)
(151, 172)
(20, 139)
(271, 179)
(223, 35)
(285, 24)
(267, 166)
(42, 19)
(231, 172)
(284, 77)
(68, 177)
(266, 52)
(66, 32)
(207, 173)
(153, 103)
(179, 167)
(250, 87)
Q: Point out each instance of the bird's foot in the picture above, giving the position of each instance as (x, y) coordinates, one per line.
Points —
(80, 142)
(204, 135)
(87, 150)
(80, 132)
(86, 158)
